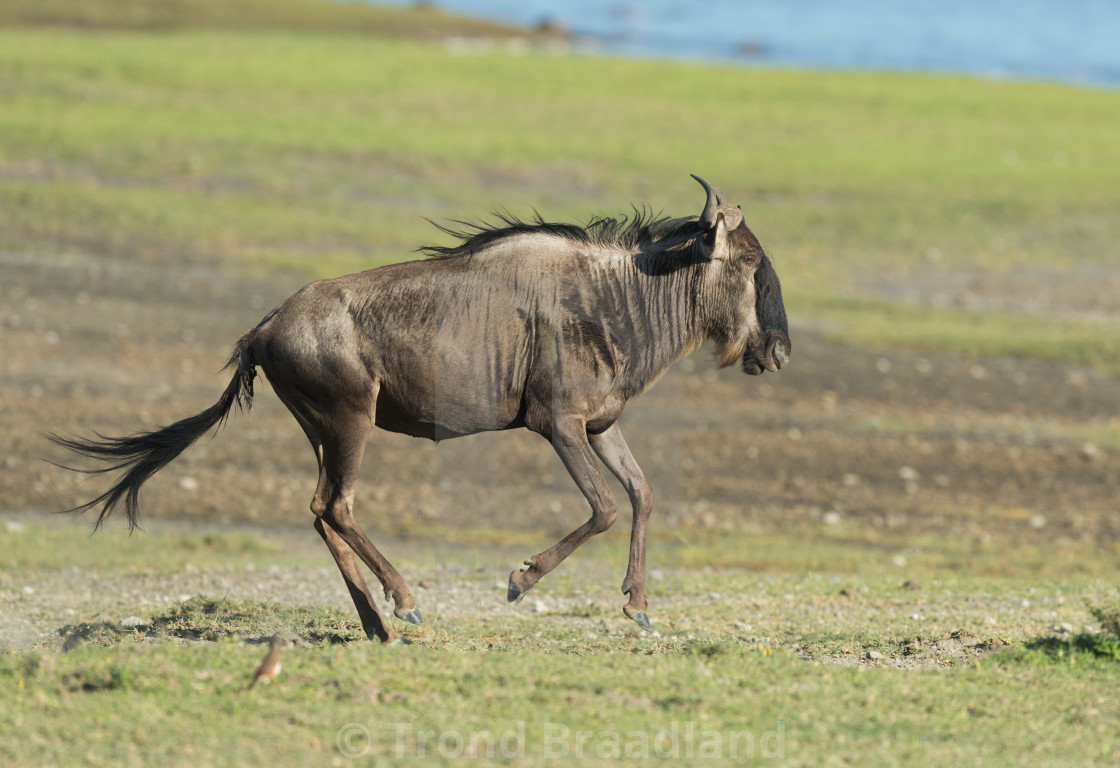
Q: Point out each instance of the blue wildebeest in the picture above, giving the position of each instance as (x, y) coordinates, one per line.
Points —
(551, 327)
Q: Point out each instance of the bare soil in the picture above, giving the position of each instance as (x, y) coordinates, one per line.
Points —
(896, 441)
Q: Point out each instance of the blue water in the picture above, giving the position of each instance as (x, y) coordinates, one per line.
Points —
(1075, 41)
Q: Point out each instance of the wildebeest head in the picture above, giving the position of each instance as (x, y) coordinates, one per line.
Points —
(749, 321)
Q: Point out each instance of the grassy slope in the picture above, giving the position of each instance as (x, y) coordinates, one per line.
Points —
(424, 22)
(321, 153)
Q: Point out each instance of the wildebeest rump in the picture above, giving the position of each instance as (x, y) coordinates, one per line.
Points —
(551, 327)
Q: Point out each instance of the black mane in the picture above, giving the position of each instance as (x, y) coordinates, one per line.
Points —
(627, 232)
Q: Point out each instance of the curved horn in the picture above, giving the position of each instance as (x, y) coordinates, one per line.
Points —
(715, 199)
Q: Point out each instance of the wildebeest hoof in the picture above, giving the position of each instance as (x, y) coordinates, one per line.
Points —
(637, 616)
(412, 617)
(515, 591)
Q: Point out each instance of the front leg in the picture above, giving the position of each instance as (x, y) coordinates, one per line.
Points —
(612, 449)
(569, 439)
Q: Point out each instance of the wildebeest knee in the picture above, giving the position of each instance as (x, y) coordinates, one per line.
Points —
(335, 512)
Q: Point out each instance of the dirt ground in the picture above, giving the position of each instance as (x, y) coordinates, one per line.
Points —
(913, 443)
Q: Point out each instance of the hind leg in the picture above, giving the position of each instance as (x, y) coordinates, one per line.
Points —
(344, 557)
(344, 439)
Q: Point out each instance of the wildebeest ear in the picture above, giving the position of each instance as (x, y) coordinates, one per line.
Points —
(717, 245)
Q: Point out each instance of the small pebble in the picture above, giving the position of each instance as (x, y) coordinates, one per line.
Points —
(874, 656)
(132, 621)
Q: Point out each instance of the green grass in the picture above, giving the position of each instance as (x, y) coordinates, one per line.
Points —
(125, 700)
(777, 659)
(836, 171)
(35, 547)
(1080, 647)
(138, 704)
(876, 324)
(856, 551)
(320, 153)
(333, 16)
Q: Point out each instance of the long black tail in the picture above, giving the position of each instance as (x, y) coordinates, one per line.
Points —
(141, 456)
